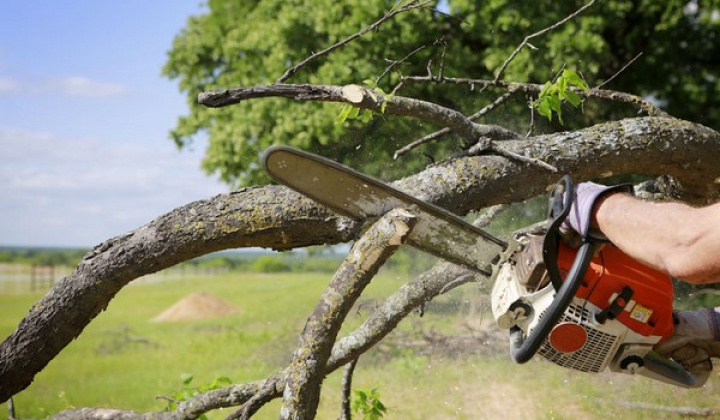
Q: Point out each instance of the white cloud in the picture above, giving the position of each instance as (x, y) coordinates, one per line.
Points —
(82, 86)
(79, 192)
(68, 86)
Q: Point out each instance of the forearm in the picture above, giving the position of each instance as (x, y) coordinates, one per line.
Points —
(672, 237)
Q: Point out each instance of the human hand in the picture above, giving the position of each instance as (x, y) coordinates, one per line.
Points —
(581, 211)
(695, 341)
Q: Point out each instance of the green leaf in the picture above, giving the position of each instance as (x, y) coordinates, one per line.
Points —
(343, 114)
(575, 80)
(543, 107)
(546, 90)
(366, 116)
(573, 98)
(556, 105)
(186, 378)
(562, 84)
(354, 112)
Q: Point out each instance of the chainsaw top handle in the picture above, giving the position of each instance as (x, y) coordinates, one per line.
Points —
(560, 201)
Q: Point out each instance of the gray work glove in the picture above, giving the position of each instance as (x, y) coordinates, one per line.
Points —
(578, 220)
(695, 341)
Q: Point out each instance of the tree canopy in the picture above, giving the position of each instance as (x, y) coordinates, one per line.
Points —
(253, 42)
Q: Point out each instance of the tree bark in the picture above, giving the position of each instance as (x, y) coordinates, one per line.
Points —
(274, 217)
(307, 370)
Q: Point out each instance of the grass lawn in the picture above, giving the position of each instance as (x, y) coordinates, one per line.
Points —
(124, 360)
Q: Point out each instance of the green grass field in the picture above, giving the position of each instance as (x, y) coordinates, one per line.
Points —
(124, 360)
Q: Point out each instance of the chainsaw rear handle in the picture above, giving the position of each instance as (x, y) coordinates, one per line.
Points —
(561, 197)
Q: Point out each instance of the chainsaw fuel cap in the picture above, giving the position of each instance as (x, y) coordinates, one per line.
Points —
(567, 337)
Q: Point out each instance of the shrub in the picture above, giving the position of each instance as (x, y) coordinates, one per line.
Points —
(269, 264)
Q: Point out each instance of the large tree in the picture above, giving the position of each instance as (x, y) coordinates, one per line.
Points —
(678, 67)
(495, 165)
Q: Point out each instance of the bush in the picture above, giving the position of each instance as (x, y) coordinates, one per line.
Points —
(319, 265)
(269, 264)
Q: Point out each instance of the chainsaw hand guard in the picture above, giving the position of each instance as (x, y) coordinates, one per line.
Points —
(523, 349)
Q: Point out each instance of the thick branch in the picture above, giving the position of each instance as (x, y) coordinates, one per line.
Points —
(307, 370)
(363, 98)
(277, 218)
(648, 145)
(271, 217)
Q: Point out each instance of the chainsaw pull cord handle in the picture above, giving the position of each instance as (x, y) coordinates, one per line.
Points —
(523, 349)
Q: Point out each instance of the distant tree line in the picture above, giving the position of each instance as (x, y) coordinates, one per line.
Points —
(69, 257)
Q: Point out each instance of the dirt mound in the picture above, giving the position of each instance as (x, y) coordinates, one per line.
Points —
(196, 306)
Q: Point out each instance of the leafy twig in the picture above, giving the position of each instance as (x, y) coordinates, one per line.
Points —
(534, 88)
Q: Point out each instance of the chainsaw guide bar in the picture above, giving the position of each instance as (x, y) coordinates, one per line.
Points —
(362, 197)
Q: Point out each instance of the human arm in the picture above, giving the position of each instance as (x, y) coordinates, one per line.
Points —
(675, 238)
(680, 240)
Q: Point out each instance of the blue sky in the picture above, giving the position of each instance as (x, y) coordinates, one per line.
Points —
(84, 120)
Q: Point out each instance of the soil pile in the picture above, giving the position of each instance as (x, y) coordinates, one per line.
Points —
(196, 306)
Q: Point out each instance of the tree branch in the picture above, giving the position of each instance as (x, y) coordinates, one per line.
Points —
(443, 277)
(410, 6)
(247, 218)
(263, 396)
(617, 73)
(430, 137)
(533, 88)
(537, 34)
(346, 391)
(307, 370)
(363, 98)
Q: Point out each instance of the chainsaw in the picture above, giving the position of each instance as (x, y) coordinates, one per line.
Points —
(588, 308)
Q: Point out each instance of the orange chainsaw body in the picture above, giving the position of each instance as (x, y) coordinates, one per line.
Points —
(648, 312)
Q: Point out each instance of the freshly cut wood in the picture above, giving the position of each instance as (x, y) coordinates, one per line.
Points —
(353, 93)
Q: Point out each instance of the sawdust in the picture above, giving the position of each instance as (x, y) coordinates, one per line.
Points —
(195, 306)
